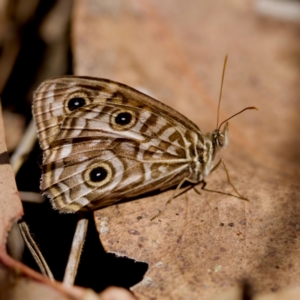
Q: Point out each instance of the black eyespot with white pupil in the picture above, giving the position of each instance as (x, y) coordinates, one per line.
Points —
(123, 118)
(98, 174)
(75, 103)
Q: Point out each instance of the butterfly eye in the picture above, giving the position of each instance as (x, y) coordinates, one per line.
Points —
(98, 174)
(75, 103)
(221, 140)
(123, 119)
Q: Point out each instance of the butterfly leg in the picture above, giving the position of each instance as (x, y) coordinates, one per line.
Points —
(228, 179)
(174, 194)
(221, 161)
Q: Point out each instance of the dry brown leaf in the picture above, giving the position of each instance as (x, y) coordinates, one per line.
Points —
(174, 50)
(233, 293)
(290, 294)
(14, 126)
(10, 205)
(114, 293)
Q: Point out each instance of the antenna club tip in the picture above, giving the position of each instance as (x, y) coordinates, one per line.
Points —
(253, 107)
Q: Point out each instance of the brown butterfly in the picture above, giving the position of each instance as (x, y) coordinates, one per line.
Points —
(103, 142)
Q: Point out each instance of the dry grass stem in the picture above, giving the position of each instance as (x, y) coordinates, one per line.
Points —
(36, 253)
(31, 197)
(24, 148)
(77, 244)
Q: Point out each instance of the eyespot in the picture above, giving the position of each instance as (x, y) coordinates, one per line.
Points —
(123, 119)
(98, 174)
(76, 101)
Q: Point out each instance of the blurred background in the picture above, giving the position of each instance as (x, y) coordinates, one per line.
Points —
(37, 42)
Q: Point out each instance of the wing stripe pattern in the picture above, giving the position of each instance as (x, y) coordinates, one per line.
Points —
(92, 126)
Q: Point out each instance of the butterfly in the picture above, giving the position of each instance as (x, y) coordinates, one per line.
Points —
(104, 142)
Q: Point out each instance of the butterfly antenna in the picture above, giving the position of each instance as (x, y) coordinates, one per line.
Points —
(221, 89)
(250, 107)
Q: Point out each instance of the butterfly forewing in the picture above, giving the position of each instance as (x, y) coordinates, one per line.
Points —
(104, 142)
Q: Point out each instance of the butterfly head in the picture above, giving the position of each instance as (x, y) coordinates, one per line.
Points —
(213, 142)
(208, 148)
(220, 137)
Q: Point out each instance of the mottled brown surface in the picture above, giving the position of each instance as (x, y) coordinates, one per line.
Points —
(174, 50)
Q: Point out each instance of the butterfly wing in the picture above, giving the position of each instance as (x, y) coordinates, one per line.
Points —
(104, 142)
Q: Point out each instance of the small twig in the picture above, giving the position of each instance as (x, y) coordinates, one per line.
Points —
(35, 251)
(24, 147)
(77, 244)
(31, 197)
